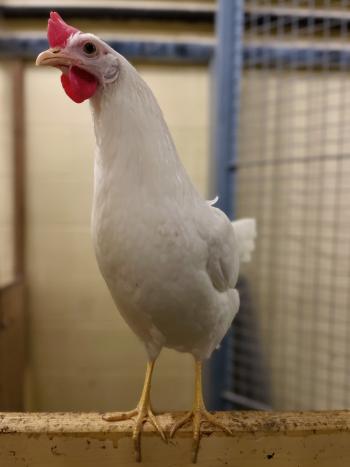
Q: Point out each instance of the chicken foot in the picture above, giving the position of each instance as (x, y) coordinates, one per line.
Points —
(143, 413)
(198, 415)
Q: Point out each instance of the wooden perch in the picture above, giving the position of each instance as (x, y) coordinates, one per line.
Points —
(295, 439)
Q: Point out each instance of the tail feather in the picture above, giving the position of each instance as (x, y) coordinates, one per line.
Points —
(245, 230)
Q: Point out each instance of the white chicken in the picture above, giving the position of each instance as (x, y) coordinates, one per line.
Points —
(169, 258)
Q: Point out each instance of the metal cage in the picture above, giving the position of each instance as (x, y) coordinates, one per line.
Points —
(286, 160)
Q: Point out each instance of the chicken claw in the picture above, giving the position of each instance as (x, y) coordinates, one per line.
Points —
(142, 414)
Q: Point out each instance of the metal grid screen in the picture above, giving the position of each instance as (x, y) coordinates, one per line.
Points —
(291, 340)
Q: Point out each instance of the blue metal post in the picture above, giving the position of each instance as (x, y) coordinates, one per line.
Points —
(227, 78)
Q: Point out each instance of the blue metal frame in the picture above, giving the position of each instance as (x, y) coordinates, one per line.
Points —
(193, 52)
(300, 56)
(227, 66)
(160, 51)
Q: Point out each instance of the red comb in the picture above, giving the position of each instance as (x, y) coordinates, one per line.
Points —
(58, 32)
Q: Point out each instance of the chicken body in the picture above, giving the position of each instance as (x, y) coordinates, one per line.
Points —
(169, 258)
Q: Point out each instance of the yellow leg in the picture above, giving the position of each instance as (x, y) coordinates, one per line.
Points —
(143, 413)
(198, 414)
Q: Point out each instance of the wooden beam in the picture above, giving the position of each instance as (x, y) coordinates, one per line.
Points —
(303, 439)
(12, 347)
(19, 165)
(12, 319)
(191, 13)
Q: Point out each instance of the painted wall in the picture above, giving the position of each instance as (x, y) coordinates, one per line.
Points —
(83, 356)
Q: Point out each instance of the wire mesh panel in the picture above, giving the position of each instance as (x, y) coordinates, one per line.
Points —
(291, 341)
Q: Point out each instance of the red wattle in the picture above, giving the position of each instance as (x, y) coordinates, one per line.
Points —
(58, 32)
(78, 84)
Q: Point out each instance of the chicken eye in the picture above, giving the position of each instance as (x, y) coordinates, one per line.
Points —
(89, 48)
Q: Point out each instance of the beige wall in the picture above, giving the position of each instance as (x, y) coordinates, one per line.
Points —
(83, 356)
(6, 181)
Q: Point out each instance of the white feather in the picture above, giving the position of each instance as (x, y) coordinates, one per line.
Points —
(212, 202)
(245, 230)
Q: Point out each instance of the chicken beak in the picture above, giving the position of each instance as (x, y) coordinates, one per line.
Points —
(53, 57)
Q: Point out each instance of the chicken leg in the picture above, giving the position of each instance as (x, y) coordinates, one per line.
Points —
(198, 414)
(143, 413)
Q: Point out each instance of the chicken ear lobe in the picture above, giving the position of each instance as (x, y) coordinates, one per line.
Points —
(111, 73)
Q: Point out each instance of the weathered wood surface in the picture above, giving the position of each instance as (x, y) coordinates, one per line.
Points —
(260, 438)
(12, 347)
